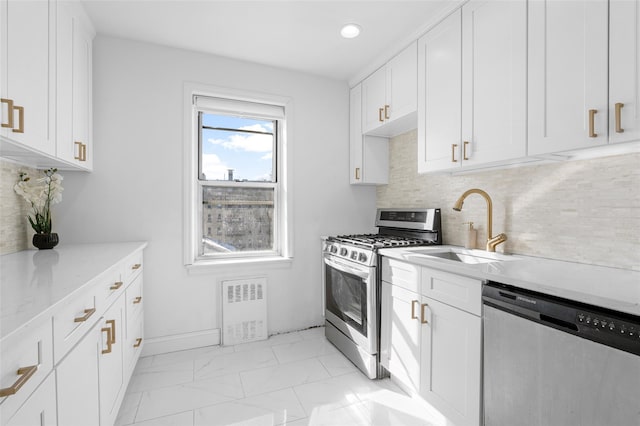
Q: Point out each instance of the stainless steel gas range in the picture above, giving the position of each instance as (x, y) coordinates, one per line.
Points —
(352, 282)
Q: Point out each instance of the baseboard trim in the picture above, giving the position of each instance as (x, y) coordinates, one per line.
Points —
(180, 342)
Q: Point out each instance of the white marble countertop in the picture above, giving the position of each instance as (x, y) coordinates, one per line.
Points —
(33, 282)
(612, 288)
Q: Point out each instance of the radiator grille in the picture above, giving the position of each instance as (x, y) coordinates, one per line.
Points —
(244, 310)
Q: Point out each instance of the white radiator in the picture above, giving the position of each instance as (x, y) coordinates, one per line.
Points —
(244, 310)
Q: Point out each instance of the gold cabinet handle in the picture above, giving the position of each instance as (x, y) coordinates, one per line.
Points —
(9, 103)
(136, 266)
(138, 342)
(619, 128)
(413, 309)
(109, 342)
(386, 112)
(84, 152)
(87, 314)
(20, 128)
(422, 319)
(453, 152)
(113, 329)
(79, 156)
(137, 300)
(592, 124)
(116, 285)
(465, 144)
(25, 374)
(357, 173)
(380, 111)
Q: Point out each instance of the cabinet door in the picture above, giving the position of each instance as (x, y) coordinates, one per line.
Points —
(567, 75)
(451, 361)
(77, 382)
(75, 35)
(40, 408)
(110, 362)
(28, 72)
(624, 69)
(400, 335)
(439, 96)
(374, 101)
(355, 134)
(494, 86)
(402, 82)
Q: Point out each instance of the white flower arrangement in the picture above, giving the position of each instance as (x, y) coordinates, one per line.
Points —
(41, 193)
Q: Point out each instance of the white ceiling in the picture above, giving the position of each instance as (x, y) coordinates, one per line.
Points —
(302, 35)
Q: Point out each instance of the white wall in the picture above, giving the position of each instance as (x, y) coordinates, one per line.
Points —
(136, 189)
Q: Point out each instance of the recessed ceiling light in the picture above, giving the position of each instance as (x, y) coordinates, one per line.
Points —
(350, 31)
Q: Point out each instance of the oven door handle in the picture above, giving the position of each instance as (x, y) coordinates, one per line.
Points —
(346, 268)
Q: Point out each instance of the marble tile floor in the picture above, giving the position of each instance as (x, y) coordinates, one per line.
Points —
(292, 379)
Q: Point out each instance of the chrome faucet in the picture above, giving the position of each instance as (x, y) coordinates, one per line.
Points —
(492, 242)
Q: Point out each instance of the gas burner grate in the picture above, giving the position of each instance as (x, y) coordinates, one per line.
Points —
(376, 241)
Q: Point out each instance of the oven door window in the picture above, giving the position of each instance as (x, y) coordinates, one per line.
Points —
(346, 298)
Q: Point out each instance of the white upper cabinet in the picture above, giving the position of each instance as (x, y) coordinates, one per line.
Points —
(494, 85)
(472, 87)
(368, 155)
(28, 88)
(389, 98)
(74, 39)
(568, 66)
(439, 95)
(624, 70)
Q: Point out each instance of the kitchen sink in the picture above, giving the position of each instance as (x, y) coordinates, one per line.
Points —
(461, 255)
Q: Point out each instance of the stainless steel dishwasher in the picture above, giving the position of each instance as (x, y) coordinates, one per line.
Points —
(554, 362)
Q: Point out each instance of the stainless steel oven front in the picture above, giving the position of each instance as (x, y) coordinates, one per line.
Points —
(351, 310)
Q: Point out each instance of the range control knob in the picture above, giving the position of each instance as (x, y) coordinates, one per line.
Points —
(362, 258)
(333, 249)
(343, 251)
(354, 255)
(596, 321)
(612, 326)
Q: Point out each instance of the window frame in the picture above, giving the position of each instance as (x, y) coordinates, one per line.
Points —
(193, 206)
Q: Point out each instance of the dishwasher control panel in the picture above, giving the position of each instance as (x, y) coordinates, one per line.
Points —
(603, 328)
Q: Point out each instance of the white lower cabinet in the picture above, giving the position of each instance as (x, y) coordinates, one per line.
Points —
(40, 408)
(111, 362)
(431, 347)
(77, 382)
(451, 361)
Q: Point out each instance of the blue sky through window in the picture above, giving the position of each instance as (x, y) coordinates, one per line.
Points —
(250, 155)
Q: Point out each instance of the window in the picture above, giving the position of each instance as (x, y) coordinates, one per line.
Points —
(236, 179)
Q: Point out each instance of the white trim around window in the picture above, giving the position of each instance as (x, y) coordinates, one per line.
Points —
(201, 94)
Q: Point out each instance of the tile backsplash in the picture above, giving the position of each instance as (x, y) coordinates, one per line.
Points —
(585, 211)
(14, 227)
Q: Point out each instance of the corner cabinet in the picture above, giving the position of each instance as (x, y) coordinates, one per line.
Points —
(472, 87)
(46, 81)
(389, 99)
(72, 366)
(431, 339)
(368, 155)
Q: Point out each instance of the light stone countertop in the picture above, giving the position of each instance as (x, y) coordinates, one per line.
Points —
(34, 282)
(612, 288)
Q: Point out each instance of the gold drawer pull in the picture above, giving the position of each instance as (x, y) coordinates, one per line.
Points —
(619, 107)
(136, 266)
(357, 173)
(137, 300)
(20, 128)
(9, 103)
(453, 152)
(592, 124)
(116, 285)
(380, 111)
(113, 330)
(413, 309)
(25, 374)
(422, 320)
(464, 150)
(84, 153)
(79, 156)
(109, 343)
(87, 314)
(386, 112)
(138, 342)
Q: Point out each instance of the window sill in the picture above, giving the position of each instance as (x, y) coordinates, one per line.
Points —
(261, 263)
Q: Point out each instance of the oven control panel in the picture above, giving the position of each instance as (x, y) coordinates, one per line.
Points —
(357, 255)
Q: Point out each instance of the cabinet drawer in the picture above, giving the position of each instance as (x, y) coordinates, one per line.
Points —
(132, 267)
(109, 289)
(134, 302)
(72, 321)
(461, 292)
(133, 346)
(26, 358)
(401, 274)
